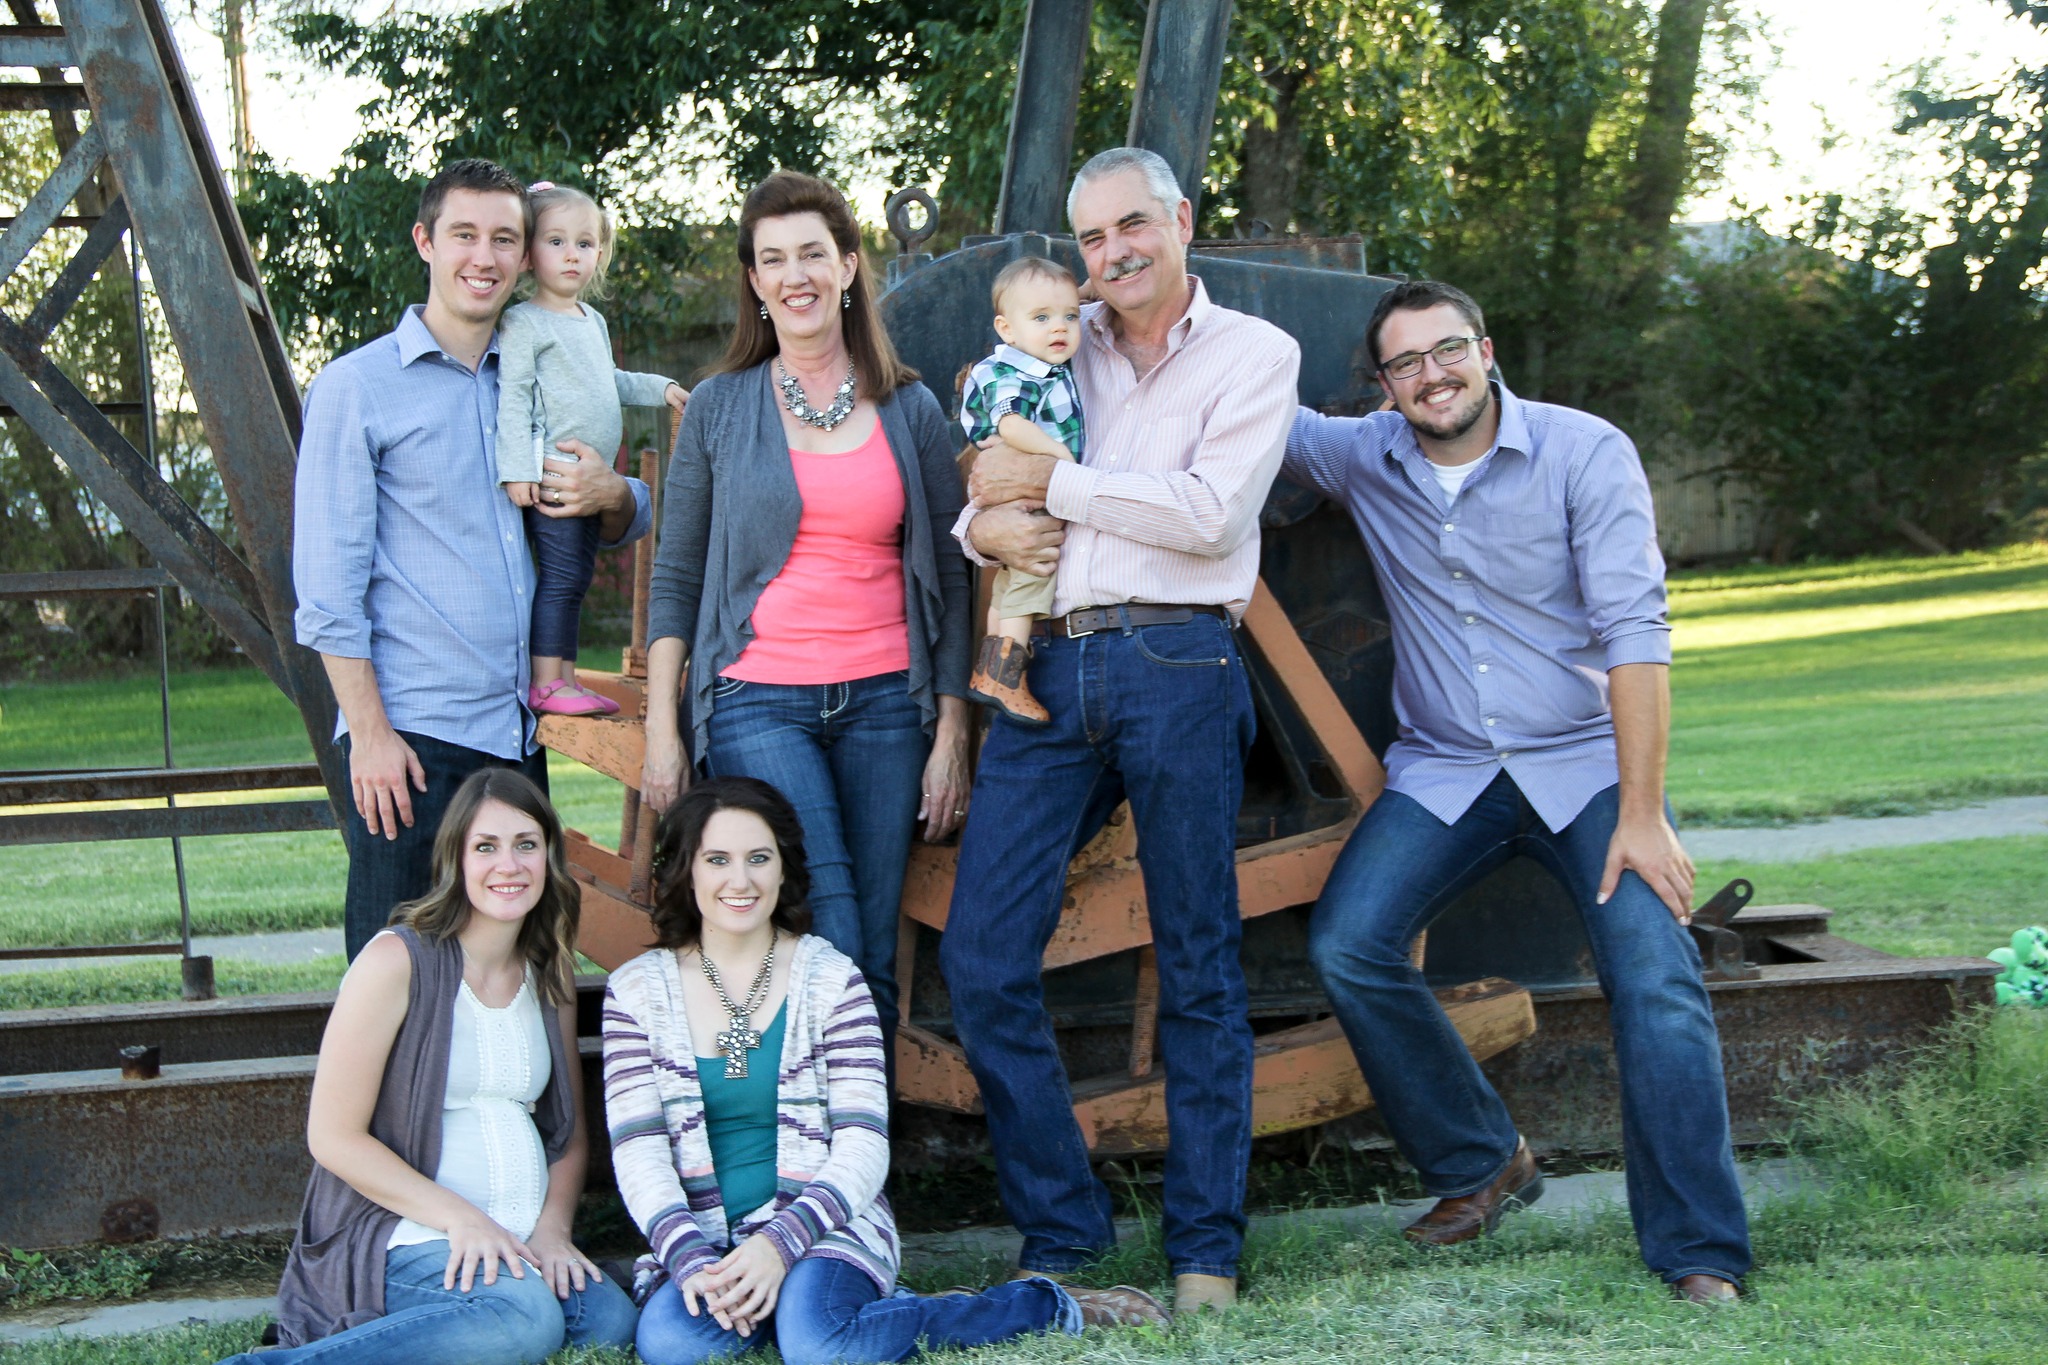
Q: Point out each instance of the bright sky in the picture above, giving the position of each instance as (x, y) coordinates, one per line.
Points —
(1832, 78)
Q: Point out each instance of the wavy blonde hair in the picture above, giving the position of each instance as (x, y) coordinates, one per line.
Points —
(547, 936)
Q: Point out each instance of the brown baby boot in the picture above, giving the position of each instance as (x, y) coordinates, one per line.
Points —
(999, 681)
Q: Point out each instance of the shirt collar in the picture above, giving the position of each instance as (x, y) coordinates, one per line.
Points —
(1025, 361)
(1513, 434)
(415, 340)
(1095, 317)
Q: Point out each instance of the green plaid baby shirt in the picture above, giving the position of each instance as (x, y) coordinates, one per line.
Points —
(1014, 381)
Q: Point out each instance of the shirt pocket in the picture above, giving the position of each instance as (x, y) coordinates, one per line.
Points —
(1525, 553)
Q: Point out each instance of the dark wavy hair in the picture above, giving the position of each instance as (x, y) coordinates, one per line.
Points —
(547, 936)
(678, 921)
(783, 195)
(1417, 296)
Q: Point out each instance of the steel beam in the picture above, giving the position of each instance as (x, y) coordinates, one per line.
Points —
(55, 96)
(1042, 115)
(31, 587)
(39, 45)
(161, 822)
(46, 206)
(78, 272)
(103, 460)
(139, 784)
(193, 240)
(1179, 69)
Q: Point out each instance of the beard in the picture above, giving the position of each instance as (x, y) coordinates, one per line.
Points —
(1452, 422)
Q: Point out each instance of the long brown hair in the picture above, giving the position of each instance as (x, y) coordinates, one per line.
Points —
(547, 936)
(782, 195)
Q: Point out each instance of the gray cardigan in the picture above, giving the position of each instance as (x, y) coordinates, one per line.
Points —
(334, 1278)
(729, 517)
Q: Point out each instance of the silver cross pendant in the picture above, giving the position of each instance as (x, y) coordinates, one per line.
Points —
(735, 1042)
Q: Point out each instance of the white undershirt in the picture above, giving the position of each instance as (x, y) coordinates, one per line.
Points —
(1451, 477)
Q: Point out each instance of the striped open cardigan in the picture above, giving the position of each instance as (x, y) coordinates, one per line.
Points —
(831, 1121)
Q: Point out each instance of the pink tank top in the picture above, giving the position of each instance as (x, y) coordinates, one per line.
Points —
(835, 612)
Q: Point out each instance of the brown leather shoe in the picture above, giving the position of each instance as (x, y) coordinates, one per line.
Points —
(1121, 1306)
(1519, 1184)
(1705, 1289)
(999, 681)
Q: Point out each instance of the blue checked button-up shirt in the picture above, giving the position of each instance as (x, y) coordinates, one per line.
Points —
(405, 550)
(1508, 603)
(1040, 392)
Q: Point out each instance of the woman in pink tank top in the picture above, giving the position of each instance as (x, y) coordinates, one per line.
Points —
(806, 572)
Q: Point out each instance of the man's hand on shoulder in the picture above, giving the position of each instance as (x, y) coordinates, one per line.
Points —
(579, 483)
(1019, 534)
(1648, 846)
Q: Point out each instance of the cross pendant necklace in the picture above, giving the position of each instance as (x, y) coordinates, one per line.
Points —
(740, 1036)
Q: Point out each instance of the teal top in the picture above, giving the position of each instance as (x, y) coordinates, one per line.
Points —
(739, 1121)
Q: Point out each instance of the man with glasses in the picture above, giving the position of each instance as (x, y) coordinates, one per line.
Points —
(1516, 549)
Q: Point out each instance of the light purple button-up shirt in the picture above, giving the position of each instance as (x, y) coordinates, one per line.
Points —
(406, 552)
(1508, 603)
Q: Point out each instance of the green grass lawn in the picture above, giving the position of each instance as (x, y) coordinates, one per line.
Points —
(1864, 688)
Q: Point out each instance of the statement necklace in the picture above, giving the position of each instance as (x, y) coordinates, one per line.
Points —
(739, 1037)
(800, 407)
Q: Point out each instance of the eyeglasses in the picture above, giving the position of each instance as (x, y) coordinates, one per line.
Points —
(1448, 352)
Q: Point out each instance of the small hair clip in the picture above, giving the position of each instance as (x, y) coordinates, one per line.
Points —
(537, 186)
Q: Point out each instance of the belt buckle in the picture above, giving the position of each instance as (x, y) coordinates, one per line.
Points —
(1073, 634)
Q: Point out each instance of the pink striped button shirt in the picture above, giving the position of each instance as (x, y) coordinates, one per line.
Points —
(1166, 506)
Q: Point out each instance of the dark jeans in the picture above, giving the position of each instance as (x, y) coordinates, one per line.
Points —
(513, 1321)
(383, 872)
(850, 757)
(564, 557)
(830, 1311)
(1402, 866)
(1161, 715)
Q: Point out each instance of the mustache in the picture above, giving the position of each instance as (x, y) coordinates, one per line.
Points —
(1130, 265)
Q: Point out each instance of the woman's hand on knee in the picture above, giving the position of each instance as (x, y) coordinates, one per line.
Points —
(478, 1243)
(562, 1266)
(696, 1291)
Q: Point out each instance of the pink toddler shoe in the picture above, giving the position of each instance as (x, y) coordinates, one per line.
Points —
(564, 698)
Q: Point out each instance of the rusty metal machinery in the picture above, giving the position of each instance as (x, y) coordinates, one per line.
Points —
(215, 1141)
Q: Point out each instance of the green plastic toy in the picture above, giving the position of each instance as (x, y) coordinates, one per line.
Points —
(2025, 978)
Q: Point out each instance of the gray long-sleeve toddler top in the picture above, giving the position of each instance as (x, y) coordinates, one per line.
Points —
(556, 382)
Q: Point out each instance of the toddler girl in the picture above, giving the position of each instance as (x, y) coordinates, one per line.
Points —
(556, 381)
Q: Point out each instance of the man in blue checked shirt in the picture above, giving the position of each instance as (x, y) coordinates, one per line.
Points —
(413, 575)
(1516, 548)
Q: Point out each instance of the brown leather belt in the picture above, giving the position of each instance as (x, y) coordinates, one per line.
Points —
(1088, 620)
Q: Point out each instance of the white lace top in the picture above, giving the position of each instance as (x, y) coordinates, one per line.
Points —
(491, 1153)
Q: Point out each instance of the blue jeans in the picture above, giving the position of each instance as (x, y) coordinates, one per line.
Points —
(564, 558)
(511, 1322)
(829, 1310)
(383, 873)
(850, 757)
(1401, 867)
(1161, 715)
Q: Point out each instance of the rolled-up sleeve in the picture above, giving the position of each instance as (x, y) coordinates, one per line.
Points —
(1212, 505)
(643, 516)
(1614, 551)
(334, 519)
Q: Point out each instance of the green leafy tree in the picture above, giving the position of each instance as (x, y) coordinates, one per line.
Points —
(621, 97)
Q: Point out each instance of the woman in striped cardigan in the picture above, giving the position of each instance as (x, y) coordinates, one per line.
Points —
(749, 1120)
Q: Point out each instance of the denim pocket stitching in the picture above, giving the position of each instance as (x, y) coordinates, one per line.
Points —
(1138, 633)
(725, 687)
